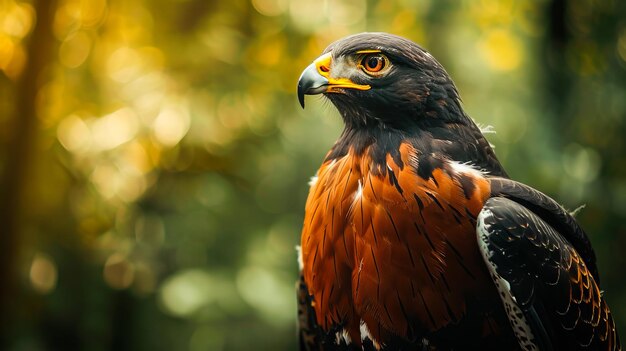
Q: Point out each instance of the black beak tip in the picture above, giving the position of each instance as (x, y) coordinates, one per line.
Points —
(311, 83)
(300, 95)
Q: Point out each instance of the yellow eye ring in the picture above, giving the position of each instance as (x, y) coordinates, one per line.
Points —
(374, 64)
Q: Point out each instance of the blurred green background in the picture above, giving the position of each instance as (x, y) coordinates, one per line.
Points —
(154, 159)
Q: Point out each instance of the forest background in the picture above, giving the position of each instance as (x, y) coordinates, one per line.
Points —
(154, 159)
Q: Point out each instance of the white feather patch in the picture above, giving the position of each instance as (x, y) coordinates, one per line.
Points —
(343, 334)
(359, 192)
(300, 261)
(466, 168)
(313, 180)
(365, 334)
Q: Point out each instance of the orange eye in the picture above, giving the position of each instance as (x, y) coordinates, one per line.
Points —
(374, 63)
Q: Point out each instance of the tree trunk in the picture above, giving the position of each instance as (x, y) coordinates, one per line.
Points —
(18, 158)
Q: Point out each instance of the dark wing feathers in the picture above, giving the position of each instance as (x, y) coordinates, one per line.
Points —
(552, 213)
(549, 280)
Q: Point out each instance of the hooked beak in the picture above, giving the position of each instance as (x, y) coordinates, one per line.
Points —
(311, 82)
(316, 79)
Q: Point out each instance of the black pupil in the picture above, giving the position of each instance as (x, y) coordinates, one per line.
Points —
(373, 61)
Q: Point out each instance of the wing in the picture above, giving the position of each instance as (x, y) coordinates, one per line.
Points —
(551, 212)
(551, 296)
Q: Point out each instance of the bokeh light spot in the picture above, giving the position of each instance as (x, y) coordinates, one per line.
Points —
(270, 52)
(308, 15)
(119, 272)
(270, 7)
(18, 20)
(75, 50)
(114, 129)
(124, 65)
(171, 125)
(13, 63)
(43, 274)
(186, 292)
(74, 134)
(263, 289)
(403, 20)
(92, 12)
(7, 48)
(501, 50)
(581, 163)
(224, 43)
(347, 12)
(118, 181)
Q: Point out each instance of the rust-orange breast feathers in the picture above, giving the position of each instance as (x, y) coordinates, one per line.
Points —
(382, 245)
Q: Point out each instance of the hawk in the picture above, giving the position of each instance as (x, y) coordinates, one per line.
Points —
(415, 238)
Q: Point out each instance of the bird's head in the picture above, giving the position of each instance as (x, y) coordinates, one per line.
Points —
(382, 79)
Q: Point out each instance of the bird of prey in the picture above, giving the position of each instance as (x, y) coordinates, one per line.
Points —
(415, 238)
